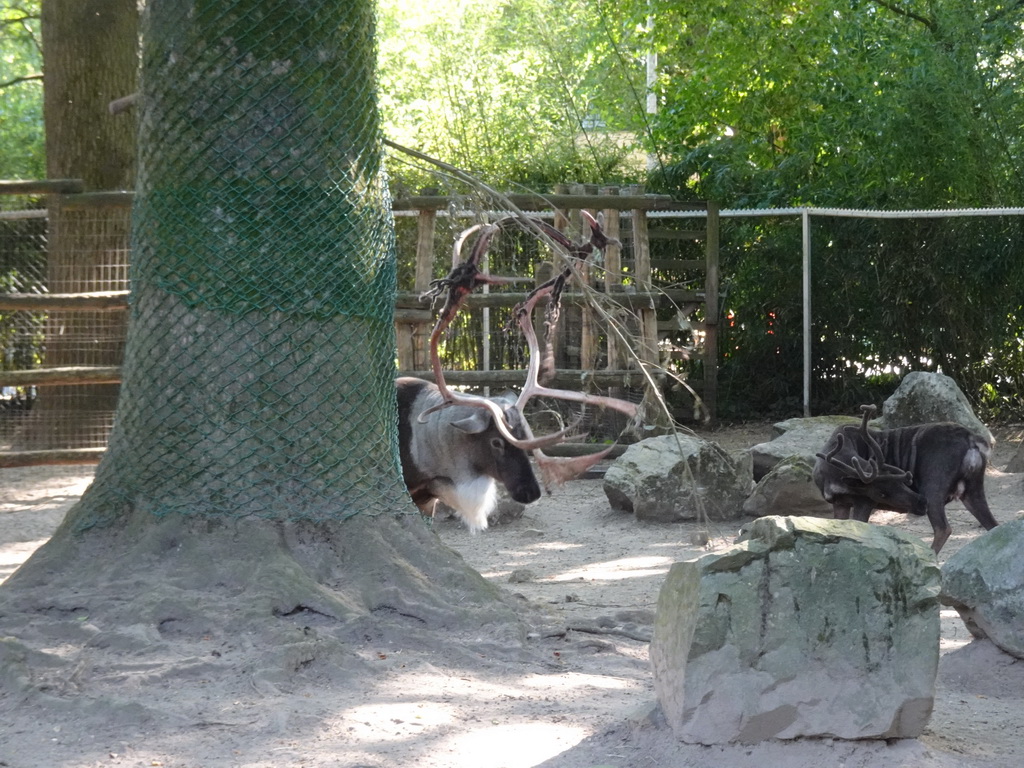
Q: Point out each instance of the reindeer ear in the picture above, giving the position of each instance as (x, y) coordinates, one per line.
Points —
(478, 421)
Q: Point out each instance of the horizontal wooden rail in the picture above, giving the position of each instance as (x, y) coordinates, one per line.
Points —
(629, 299)
(406, 315)
(563, 377)
(538, 202)
(24, 215)
(77, 197)
(627, 377)
(45, 458)
(89, 200)
(409, 308)
(102, 301)
(80, 374)
(42, 187)
(98, 301)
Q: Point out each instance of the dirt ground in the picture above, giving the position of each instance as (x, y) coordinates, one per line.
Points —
(579, 699)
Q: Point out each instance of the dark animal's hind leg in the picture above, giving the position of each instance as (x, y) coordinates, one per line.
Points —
(939, 538)
(974, 499)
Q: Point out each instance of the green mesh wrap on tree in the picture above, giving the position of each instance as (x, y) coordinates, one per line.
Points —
(258, 378)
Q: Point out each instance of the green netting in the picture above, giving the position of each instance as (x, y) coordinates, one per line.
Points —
(258, 376)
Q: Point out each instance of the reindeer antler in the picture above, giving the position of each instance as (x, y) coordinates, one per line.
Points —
(533, 388)
(463, 279)
(871, 469)
(460, 282)
(557, 470)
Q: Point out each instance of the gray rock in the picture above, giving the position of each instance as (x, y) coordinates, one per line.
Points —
(924, 397)
(806, 627)
(672, 478)
(795, 437)
(788, 489)
(1016, 463)
(814, 424)
(521, 576)
(984, 581)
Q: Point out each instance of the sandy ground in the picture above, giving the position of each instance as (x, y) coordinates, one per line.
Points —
(581, 698)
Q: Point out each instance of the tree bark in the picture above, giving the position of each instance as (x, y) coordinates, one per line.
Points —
(90, 50)
(253, 474)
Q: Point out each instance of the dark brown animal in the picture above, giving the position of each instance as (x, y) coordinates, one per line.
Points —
(916, 469)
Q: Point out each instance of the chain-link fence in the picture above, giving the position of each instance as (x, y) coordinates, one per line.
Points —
(587, 355)
(22, 269)
(258, 372)
(888, 293)
(75, 247)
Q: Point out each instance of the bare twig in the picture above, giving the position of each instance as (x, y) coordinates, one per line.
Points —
(458, 284)
(23, 79)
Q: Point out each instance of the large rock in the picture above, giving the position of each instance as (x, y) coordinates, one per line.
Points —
(795, 437)
(788, 489)
(1016, 463)
(922, 398)
(806, 627)
(678, 477)
(984, 581)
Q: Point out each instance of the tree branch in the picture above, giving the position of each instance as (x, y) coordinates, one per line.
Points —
(17, 80)
(23, 22)
(20, 19)
(1003, 12)
(929, 23)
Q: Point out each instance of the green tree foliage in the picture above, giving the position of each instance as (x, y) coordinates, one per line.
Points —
(762, 103)
(21, 91)
(842, 102)
(529, 92)
(853, 103)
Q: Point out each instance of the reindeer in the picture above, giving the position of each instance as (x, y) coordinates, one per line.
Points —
(454, 447)
(916, 469)
(457, 453)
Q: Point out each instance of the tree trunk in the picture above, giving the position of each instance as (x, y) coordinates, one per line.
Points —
(252, 474)
(90, 58)
(90, 50)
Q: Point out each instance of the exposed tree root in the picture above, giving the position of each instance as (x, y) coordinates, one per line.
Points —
(270, 600)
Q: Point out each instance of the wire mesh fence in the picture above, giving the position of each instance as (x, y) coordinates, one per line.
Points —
(258, 368)
(886, 293)
(22, 334)
(595, 338)
(63, 250)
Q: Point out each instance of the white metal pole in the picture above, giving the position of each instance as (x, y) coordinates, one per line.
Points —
(806, 221)
(651, 81)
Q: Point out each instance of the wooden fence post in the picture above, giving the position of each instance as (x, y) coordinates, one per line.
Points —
(412, 337)
(588, 324)
(642, 268)
(613, 277)
(560, 337)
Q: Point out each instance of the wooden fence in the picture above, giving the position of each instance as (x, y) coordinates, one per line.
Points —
(637, 294)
